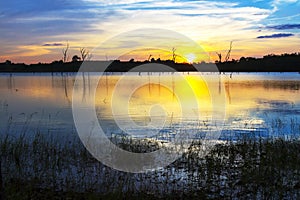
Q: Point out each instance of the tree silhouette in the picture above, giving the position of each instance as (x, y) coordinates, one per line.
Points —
(75, 58)
(65, 53)
(8, 62)
(219, 56)
(85, 54)
(227, 55)
(174, 54)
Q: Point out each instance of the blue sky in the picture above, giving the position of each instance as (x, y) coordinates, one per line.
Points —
(28, 28)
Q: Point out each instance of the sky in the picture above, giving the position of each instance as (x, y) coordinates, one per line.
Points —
(33, 31)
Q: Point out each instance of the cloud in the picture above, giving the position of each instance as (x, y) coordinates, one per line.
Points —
(278, 35)
(88, 22)
(52, 44)
(276, 4)
(284, 26)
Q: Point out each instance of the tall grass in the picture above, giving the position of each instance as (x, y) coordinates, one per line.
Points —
(44, 166)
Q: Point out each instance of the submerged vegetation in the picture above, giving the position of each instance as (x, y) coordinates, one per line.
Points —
(46, 167)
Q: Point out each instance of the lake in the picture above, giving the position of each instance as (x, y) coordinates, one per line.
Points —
(154, 104)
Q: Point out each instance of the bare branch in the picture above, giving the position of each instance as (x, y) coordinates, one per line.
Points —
(65, 53)
(228, 53)
(219, 56)
(85, 54)
(174, 54)
(89, 57)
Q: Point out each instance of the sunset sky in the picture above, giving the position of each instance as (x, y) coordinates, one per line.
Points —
(34, 31)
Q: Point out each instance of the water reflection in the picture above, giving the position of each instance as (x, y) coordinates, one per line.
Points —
(268, 103)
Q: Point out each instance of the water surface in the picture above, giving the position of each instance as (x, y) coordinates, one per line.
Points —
(260, 104)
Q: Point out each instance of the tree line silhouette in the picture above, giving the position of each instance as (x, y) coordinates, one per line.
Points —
(268, 63)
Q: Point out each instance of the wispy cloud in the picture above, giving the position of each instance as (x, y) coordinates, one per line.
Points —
(276, 4)
(85, 23)
(53, 44)
(278, 35)
(284, 26)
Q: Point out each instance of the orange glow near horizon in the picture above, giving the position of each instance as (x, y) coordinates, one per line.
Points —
(181, 55)
(46, 54)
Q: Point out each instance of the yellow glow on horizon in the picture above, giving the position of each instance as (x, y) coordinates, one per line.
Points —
(33, 50)
(190, 57)
(243, 48)
(181, 55)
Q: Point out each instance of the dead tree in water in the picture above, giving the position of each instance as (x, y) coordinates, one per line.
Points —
(219, 56)
(85, 54)
(227, 55)
(65, 53)
(174, 54)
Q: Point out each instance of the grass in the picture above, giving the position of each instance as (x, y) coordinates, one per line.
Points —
(45, 167)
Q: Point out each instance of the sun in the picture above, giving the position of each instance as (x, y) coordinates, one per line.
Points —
(190, 57)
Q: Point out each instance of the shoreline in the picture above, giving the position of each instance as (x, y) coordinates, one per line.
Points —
(155, 66)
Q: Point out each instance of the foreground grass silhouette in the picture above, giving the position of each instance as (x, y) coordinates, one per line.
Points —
(45, 167)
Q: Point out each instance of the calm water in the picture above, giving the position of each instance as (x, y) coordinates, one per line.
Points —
(260, 104)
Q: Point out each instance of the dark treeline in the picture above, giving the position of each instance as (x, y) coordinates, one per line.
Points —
(269, 63)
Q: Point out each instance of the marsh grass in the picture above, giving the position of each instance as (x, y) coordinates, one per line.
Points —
(47, 167)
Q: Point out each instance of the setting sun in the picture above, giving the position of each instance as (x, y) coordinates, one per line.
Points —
(190, 57)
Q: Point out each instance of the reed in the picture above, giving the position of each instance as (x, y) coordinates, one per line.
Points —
(48, 167)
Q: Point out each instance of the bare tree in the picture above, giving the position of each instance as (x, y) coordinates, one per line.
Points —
(174, 54)
(219, 56)
(90, 56)
(228, 53)
(85, 54)
(65, 53)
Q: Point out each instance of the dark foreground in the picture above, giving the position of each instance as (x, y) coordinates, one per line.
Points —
(47, 168)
